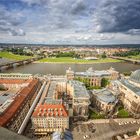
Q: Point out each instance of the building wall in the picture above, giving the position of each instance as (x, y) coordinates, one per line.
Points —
(131, 101)
(49, 124)
(79, 105)
(15, 122)
(94, 80)
(105, 107)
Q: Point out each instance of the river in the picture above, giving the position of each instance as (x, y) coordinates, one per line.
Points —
(60, 69)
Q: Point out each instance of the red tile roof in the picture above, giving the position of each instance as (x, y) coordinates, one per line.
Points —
(52, 110)
(14, 81)
(25, 93)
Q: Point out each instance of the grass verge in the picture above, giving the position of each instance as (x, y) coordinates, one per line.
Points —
(12, 56)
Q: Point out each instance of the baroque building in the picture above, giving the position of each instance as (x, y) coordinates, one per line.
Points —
(50, 118)
(95, 77)
(104, 99)
(130, 93)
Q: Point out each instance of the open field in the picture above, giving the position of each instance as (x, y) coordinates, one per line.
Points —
(12, 56)
(72, 60)
(136, 57)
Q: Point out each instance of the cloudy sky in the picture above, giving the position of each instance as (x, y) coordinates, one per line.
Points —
(70, 21)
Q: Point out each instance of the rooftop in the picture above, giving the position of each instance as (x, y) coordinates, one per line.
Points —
(53, 101)
(79, 89)
(51, 90)
(105, 95)
(130, 86)
(91, 72)
(18, 101)
(135, 76)
(5, 100)
(14, 81)
(52, 110)
(15, 75)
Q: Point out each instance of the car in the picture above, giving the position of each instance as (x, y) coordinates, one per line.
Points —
(93, 130)
(120, 123)
(84, 137)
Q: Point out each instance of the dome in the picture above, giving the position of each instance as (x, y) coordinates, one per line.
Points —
(135, 76)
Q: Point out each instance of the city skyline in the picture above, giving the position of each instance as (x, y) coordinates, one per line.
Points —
(70, 22)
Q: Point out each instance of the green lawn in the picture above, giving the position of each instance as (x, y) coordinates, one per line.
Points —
(12, 56)
(122, 113)
(96, 115)
(72, 60)
(136, 57)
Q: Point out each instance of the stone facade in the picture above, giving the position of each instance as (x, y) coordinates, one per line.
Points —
(104, 100)
(94, 77)
(49, 118)
(77, 97)
(130, 93)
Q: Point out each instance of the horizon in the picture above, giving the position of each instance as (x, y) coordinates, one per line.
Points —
(93, 45)
(80, 22)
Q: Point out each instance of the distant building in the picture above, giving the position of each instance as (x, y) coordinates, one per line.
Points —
(94, 77)
(130, 91)
(16, 76)
(104, 99)
(91, 58)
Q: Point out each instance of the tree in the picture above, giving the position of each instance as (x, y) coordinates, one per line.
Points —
(104, 55)
(2, 88)
(104, 82)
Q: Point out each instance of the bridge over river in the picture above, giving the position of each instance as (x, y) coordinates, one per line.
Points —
(12, 64)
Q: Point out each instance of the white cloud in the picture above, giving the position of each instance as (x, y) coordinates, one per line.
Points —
(60, 21)
(9, 22)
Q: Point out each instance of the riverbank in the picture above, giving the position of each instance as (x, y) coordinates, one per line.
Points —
(69, 60)
(136, 57)
(11, 56)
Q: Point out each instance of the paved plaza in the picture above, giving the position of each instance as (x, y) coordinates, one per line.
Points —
(102, 131)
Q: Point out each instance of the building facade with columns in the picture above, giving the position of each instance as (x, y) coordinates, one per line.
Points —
(95, 77)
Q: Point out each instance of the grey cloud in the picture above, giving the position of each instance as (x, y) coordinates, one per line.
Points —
(134, 32)
(78, 7)
(59, 14)
(18, 32)
(30, 2)
(9, 23)
(117, 16)
(11, 31)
